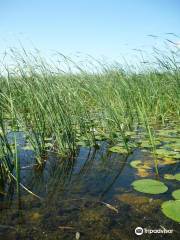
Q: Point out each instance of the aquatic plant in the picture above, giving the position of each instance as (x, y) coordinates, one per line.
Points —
(171, 209)
(150, 186)
(176, 194)
(78, 106)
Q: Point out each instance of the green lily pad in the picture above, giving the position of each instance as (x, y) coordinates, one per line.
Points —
(172, 177)
(118, 149)
(167, 132)
(169, 176)
(167, 161)
(176, 194)
(172, 209)
(177, 156)
(135, 163)
(143, 168)
(146, 143)
(177, 176)
(149, 186)
(174, 146)
(164, 152)
(166, 139)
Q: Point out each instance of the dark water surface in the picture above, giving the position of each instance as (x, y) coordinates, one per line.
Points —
(75, 195)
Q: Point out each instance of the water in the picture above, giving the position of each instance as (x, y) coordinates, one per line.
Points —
(75, 195)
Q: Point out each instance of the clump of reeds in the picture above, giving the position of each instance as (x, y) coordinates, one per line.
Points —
(46, 103)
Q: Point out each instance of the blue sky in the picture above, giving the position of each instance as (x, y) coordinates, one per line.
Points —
(97, 27)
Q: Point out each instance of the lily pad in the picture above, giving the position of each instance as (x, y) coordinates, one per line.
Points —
(177, 156)
(147, 144)
(169, 176)
(118, 149)
(149, 186)
(167, 161)
(174, 146)
(164, 152)
(141, 172)
(177, 176)
(176, 194)
(166, 139)
(172, 209)
(172, 177)
(135, 163)
(167, 132)
(142, 167)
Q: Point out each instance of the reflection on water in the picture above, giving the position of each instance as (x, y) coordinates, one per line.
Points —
(86, 197)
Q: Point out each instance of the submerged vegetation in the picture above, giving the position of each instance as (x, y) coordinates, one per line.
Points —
(59, 111)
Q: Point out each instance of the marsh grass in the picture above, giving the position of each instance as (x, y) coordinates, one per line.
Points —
(69, 107)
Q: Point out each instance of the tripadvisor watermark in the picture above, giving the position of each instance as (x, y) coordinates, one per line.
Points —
(140, 231)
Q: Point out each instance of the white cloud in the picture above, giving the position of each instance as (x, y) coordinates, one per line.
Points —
(178, 44)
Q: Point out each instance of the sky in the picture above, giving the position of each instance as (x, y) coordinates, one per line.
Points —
(101, 28)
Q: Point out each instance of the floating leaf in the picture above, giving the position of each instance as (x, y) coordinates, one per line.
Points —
(166, 139)
(177, 176)
(169, 176)
(164, 152)
(147, 165)
(167, 161)
(135, 163)
(176, 194)
(172, 177)
(149, 186)
(142, 172)
(147, 144)
(172, 209)
(167, 132)
(141, 167)
(174, 146)
(118, 149)
(177, 156)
